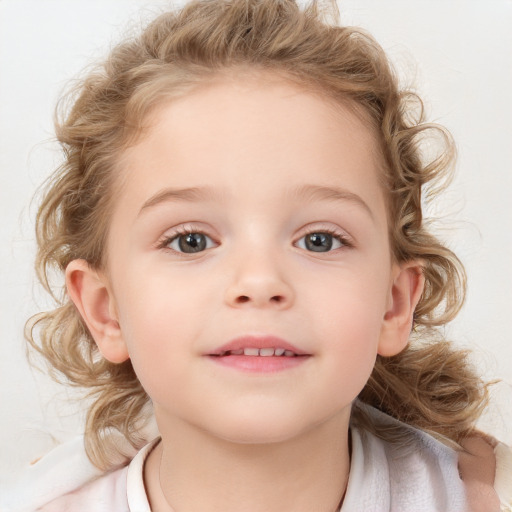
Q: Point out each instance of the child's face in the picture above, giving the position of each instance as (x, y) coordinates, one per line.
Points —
(278, 195)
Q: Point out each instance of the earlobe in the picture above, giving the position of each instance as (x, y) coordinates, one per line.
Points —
(88, 289)
(406, 290)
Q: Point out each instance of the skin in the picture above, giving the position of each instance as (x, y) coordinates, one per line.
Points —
(270, 441)
(477, 466)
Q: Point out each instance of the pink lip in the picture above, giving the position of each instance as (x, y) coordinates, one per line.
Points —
(258, 364)
(257, 342)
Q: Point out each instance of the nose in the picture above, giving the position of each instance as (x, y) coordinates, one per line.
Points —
(258, 281)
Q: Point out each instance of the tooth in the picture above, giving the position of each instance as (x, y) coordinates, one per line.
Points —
(288, 353)
(279, 351)
(251, 352)
(266, 351)
(237, 352)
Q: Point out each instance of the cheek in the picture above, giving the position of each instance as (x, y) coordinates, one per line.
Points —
(349, 322)
(159, 327)
(352, 302)
(352, 336)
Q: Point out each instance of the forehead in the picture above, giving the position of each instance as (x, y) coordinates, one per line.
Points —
(232, 131)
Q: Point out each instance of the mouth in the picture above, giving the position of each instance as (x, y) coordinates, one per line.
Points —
(259, 354)
(255, 352)
(258, 345)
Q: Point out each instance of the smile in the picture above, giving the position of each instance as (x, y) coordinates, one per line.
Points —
(264, 352)
(258, 345)
(259, 354)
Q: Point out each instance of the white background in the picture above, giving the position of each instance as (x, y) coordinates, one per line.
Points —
(458, 54)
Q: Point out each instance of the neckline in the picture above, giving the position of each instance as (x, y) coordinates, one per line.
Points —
(135, 489)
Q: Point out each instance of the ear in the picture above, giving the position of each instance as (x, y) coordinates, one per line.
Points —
(88, 289)
(406, 289)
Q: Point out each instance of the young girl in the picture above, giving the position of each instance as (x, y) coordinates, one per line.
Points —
(239, 222)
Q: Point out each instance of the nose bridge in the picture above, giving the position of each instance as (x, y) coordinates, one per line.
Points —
(259, 276)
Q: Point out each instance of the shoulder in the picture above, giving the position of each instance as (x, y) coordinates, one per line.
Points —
(402, 468)
(65, 480)
(503, 478)
(62, 470)
(105, 494)
(119, 491)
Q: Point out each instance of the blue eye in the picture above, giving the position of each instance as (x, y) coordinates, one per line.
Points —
(320, 242)
(190, 243)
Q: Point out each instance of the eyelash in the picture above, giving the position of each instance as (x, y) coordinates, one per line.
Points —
(342, 237)
(164, 242)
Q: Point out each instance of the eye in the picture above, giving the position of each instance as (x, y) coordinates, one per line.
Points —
(190, 243)
(321, 241)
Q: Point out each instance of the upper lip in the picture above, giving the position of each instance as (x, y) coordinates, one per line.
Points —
(256, 341)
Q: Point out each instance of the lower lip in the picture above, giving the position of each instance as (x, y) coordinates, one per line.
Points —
(260, 364)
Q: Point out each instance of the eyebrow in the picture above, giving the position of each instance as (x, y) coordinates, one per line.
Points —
(320, 192)
(303, 192)
(191, 194)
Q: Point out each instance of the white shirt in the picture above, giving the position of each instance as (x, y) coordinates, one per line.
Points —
(418, 474)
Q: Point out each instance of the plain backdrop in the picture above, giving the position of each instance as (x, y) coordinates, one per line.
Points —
(456, 53)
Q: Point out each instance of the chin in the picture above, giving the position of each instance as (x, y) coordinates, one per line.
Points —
(248, 435)
(267, 428)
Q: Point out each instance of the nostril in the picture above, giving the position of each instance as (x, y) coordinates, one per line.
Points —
(259, 300)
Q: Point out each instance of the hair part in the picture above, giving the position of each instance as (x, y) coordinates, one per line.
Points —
(429, 385)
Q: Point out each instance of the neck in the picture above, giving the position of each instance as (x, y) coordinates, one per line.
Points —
(191, 470)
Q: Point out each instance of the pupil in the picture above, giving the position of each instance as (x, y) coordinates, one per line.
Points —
(319, 242)
(193, 242)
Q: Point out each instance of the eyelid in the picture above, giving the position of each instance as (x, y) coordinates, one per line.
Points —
(183, 229)
(335, 231)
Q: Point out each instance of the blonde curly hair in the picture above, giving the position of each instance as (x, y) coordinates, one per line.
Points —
(429, 385)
